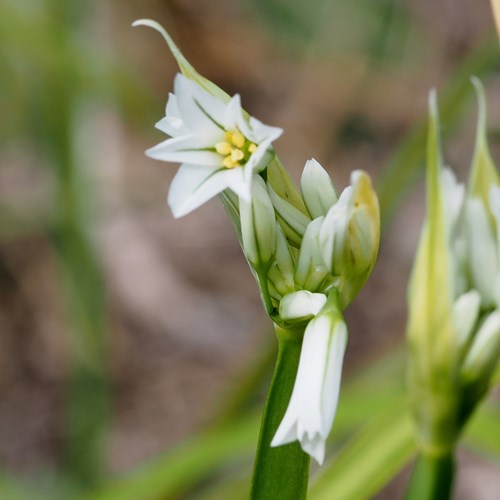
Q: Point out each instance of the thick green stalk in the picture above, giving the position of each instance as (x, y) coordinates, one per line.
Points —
(281, 472)
(432, 477)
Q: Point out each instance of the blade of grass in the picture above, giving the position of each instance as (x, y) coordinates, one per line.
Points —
(87, 402)
(483, 432)
(373, 457)
(378, 387)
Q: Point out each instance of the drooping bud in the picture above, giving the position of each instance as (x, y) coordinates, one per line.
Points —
(311, 411)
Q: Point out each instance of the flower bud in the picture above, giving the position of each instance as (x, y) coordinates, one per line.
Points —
(258, 225)
(281, 272)
(292, 220)
(311, 271)
(350, 235)
(317, 189)
(484, 352)
(465, 315)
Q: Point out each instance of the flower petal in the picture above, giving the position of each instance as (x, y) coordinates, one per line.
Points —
(301, 304)
(194, 185)
(172, 123)
(186, 149)
(201, 111)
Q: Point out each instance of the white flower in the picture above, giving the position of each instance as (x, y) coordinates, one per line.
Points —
(310, 413)
(218, 147)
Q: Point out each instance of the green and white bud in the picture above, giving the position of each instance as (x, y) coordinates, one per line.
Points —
(484, 353)
(301, 305)
(282, 269)
(258, 225)
(482, 251)
(311, 271)
(317, 189)
(293, 222)
(465, 315)
(350, 236)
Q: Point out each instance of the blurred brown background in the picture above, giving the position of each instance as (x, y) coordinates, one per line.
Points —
(181, 315)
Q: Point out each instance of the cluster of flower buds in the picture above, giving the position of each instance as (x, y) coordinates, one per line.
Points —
(311, 251)
(454, 295)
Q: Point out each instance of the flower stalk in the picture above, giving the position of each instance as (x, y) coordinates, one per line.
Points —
(281, 472)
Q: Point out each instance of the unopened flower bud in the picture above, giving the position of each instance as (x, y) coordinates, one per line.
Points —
(484, 352)
(258, 225)
(292, 220)
(317, 189)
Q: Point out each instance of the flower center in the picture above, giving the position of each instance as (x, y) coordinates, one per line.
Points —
(236, 149)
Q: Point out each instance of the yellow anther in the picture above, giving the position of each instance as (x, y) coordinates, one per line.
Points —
(223, 148)
(252, 148)
(229, 162)
(237, 155)
(238, 139)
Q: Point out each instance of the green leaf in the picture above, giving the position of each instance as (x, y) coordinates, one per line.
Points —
(371, 459)
(169, 475)
(483, 432)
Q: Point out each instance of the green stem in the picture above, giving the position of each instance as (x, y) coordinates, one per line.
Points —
(432, 477)
(281, 472)
(262, 273)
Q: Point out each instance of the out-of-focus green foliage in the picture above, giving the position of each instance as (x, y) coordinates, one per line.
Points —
(49, 64)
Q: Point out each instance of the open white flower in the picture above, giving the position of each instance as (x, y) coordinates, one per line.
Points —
(311, 411)
(218, 147)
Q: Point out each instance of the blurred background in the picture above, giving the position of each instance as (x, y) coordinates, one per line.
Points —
(125, 332)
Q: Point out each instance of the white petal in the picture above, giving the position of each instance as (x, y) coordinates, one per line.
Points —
(333, 376)
(238, 183)
(172, 124)
(194, 185)
(186, 149)
(200, 111)
(301, 304)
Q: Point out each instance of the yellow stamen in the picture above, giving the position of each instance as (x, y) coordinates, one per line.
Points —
(238, 139)
(252, 148)
(223, 148)
(228, 162)
(237, 155)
